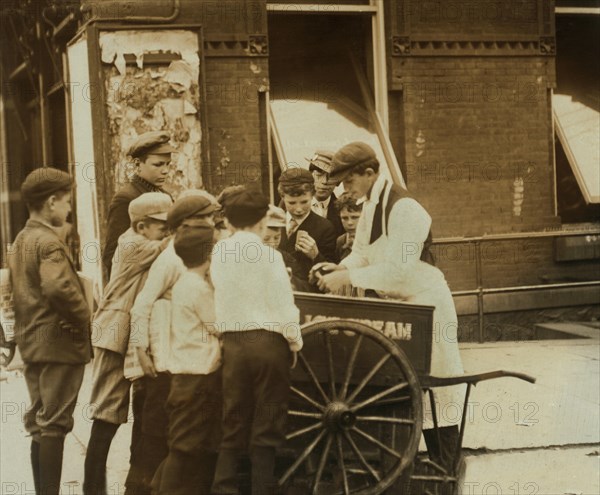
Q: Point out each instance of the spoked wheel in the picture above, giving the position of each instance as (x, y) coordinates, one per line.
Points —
(355, 414)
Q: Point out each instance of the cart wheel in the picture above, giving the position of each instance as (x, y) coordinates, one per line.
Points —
(355, 416)
(7, 349)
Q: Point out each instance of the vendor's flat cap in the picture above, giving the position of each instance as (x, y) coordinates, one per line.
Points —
(150, 205)
(189, 206)
(275, 217)
(245, 207)
(321, 161)
(153, 142)
(296, 176)
(348, 157)
(43, 182)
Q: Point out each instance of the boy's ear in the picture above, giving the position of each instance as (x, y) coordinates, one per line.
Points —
(139, 225)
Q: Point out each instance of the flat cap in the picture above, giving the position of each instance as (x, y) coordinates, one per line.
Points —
(154, 142)
(321, 161)
(194, 244)
(189, 206)
(348, 157)
(43, 182)
(151, 204)
(198, 192)
(245, 207)
(275, 217)
(296, 176)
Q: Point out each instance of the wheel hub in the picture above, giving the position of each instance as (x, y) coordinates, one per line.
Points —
(338, 416)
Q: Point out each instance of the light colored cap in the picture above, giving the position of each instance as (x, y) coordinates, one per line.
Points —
(275, 217)
(152, 204)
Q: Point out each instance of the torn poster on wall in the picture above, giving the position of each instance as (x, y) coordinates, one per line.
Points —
(158, 94)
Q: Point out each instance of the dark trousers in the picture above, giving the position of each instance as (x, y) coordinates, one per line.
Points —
(149, 435)
(195, 407)
(256, 385)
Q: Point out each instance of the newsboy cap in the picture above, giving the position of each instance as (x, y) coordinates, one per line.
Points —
(188, 206)
(320, 161)
(295, 176)
(153, 142)
(194, 244)
(275, 217)
(245, 207)
(348, 157)
(44, 182)
(151, 204)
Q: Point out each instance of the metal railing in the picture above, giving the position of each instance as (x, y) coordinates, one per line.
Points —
(480, 291)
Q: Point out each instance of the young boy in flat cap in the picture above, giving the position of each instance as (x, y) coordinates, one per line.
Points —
(194, 403)
(138, 247)
(152, 331)
(390, 255)
(323, 202)
(151, 152)
(309, 238)
(256, 314)
(52, 322)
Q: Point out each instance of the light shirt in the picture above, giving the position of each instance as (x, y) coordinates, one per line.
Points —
(253, 289)
(320, 207)
(195, 348)
(163, 274)
(392, 265)
(290, 227)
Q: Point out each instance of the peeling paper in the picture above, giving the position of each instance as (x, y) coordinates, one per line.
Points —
(179, 72)
(188, 108)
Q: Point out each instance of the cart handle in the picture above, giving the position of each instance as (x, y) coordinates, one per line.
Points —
(435, 381)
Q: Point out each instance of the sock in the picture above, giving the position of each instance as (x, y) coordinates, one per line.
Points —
(51, 456)
(95, 458)
(35, 464)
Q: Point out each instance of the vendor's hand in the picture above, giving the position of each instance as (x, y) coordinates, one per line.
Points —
(146, 362)
(334, 281)
(306, 245)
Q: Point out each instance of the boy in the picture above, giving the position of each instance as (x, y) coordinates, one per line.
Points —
(309, 238)
(138, 247)
(52, 322)
(194, 401)
(273, 232)
(151, 326)
(255, 311)
(323, 202)
(349, 213)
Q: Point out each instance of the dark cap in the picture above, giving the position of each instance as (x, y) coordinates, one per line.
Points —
(44, 182)
(320, 161)
(296, 176)
(189, 206)
(348, 157)
(194, 244)
(153, 142)
(244, 207)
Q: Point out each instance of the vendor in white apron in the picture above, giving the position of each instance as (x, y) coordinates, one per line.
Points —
(390, 256)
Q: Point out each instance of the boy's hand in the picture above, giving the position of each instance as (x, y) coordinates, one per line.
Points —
(334, 281)
(306, 245)
(146, 362)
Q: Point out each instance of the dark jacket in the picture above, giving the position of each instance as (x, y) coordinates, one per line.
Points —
(52, 318)
(334, 217)
(321, 230)
(118, 221)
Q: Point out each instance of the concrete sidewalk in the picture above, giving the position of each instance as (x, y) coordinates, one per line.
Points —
(520, 438)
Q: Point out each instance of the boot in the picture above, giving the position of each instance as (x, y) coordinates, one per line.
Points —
(226, 473)
(51, 456)
(96, 456)
(35, 465)
(263, 471)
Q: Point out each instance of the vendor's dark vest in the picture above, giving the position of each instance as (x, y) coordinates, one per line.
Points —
(396, 194)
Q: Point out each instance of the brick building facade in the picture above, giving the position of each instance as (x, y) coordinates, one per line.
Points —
(463, 91)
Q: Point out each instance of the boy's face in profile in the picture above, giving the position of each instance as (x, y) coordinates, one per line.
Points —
(298, 206)
(154, 168)
(272, 237)
(349, 220)
(153, 230)
(59, 207)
